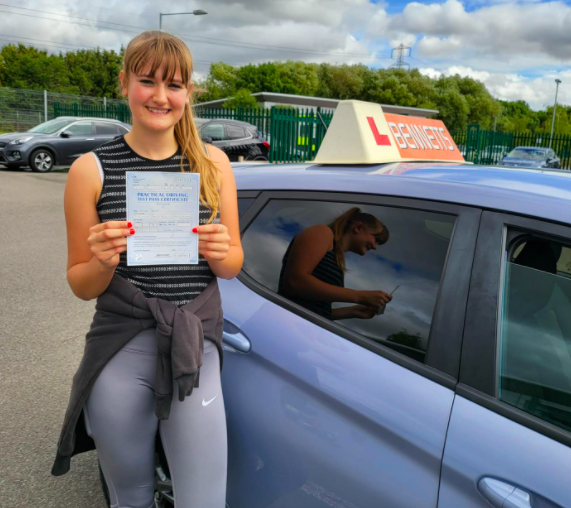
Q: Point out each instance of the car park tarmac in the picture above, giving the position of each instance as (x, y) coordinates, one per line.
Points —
(42, 328)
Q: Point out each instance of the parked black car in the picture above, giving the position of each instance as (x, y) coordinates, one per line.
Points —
(235, 138)
(57, 142)
(531, 157)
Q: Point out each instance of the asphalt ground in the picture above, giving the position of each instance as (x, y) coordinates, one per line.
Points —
(42, 332)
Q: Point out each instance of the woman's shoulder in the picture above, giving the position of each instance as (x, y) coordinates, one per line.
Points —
(216, 155)
(320, 234)
(116, 142)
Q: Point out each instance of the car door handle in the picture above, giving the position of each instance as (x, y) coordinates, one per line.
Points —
(503, 495)
(233, 337)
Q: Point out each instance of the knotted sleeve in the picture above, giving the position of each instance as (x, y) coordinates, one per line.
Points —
(180, 341)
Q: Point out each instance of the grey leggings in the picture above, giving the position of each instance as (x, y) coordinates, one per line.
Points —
(119, 416)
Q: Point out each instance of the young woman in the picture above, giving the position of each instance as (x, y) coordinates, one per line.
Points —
(313, 267)
(153, 354)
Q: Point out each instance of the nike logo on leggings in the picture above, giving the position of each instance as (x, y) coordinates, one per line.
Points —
(206, 402)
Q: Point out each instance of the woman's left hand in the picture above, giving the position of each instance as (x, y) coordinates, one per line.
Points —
(213, 241)
(364, 312)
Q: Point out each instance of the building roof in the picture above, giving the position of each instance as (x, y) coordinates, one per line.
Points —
(305, 100)
(544, 194)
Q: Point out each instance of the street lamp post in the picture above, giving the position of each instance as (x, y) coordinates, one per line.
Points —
(557, 81)
(197, 12)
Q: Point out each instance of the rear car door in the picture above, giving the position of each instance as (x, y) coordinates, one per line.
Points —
(346, 413)
(105, 131)
(509, 439)
(241, 143)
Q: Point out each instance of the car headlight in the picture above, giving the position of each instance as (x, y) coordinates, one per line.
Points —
(20, 141)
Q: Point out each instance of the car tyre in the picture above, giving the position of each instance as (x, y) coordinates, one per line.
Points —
(257, 158)
(41, 160)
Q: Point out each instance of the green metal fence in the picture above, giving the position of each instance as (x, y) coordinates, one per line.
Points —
(489, 147)
(119, 111)
(295, 135)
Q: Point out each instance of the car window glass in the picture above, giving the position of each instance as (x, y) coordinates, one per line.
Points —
(105, 128)
(80, 129)
(214, 131)
(243, 205)
(535, 362)
(122, 130)
(235, 132)
(50, 127)
(410, 261)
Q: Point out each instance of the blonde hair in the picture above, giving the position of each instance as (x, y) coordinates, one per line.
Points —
(158, 48)
(342, 224)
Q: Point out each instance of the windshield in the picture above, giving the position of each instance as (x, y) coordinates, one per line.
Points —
(50, 127)
(529, 154)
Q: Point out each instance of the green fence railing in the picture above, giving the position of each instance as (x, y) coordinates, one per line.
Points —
(294, 135)
(119, 111)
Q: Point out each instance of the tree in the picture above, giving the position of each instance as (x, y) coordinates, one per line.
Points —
(452, 105)
(243, 98)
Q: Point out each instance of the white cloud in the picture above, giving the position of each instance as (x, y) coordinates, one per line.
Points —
(539, 92)
(504, 29)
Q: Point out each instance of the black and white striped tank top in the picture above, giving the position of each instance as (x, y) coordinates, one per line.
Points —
(178, 284)
(327, 270)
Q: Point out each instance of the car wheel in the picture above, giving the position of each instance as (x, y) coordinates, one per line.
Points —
(257, 158)
(41, 160)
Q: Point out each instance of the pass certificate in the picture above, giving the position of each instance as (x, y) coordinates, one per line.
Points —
(164, 208)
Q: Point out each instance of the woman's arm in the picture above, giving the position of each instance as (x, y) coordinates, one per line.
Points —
(307, 251)
(88, 272)
(223, 251)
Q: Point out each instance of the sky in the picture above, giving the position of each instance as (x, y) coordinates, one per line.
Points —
(516, 48)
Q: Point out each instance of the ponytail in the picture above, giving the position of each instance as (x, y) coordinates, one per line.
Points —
(193, 151)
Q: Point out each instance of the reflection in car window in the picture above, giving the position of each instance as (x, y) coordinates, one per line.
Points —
(214, 131)
(535, 365)
(105, 128)
(410, 259)
(235, 132)
(50, 127)
(80, 129)
(243, 205)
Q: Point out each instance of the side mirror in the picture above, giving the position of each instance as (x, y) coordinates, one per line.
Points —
(206, 139)
(66, 134)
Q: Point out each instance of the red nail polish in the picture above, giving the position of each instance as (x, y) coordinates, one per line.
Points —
(195, 230)
(129, 224)
(132, 231)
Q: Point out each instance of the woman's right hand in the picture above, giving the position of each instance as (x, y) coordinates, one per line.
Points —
(108, 239)
(373, 298)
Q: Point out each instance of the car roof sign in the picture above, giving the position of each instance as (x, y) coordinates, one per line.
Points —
(361, 133)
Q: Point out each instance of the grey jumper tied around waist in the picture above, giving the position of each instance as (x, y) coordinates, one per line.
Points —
(121, 312)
